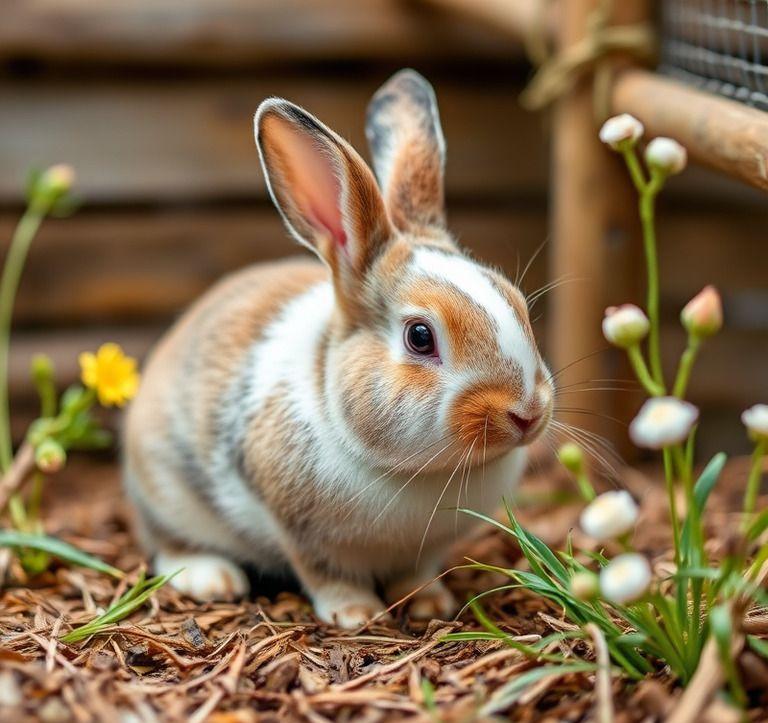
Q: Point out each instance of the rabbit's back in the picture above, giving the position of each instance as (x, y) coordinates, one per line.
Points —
(183, 439)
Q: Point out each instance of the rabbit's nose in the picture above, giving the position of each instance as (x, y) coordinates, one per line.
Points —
(523, 424)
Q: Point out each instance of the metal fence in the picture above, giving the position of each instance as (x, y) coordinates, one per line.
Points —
(718, 45)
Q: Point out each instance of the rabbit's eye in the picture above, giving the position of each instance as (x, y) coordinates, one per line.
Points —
(419, 338)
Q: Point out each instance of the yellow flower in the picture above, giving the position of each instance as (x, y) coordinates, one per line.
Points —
(111, 374)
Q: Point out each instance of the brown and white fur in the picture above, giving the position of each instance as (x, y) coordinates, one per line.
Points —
(283, 422)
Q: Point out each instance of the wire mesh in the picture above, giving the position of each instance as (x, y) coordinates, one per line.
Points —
(718, 45)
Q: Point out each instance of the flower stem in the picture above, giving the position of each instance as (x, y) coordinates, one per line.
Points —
(753, 481)
(12, 269)
(642, 373)
(686, 365)
(647, 206)
(586, 489)
(635, 169)
(669, 476)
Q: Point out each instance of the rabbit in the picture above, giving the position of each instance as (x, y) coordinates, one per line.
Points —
(327, 414)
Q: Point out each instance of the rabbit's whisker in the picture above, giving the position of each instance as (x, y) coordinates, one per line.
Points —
(408, 481)
(593, 444)
(554, 375)
(519, 278)
(465, 472)
(392, 469)
(434, 509)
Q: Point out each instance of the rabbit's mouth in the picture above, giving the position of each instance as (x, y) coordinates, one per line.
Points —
(497, 418)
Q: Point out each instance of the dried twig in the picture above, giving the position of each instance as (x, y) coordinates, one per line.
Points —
(22, 466)
(603, 677)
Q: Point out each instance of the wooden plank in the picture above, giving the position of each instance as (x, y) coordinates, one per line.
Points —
(519, 19)
(63, 346)
(147, 266)
(237, 32)
(725, 248)
(135, 141)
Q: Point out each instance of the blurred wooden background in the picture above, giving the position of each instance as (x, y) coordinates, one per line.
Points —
(152, 102)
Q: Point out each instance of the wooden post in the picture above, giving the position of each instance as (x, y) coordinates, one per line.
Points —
(595, 239)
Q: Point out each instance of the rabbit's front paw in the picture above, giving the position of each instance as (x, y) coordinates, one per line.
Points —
(347, 606)
(203, 577)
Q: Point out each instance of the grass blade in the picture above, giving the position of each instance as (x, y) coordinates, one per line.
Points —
(57, 548)
(508, 694)
(128, 603)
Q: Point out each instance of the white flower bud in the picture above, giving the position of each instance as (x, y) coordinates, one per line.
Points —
(621, 131)
(585, 585)
(610, 515)
(702, 316)
(756, 421)
(625, 578)
(666, 155)
(626, 325)
(662, 422)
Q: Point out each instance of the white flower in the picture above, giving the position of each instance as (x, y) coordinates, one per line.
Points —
(610, 515)
(662, 422)
(621, 131)
(666, 155)
(625, 578)
(626, 325)
(756, 421)
(585, 585)
(702, 316)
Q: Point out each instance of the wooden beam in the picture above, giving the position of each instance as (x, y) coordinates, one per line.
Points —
(719, 133)
(234, 33)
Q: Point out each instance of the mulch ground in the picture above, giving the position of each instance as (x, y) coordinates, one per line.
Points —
(270, 659)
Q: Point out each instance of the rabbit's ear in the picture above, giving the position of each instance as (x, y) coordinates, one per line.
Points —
(406, 140)
(324, 191)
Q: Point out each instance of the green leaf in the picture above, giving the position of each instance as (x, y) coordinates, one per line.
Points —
(758, 525)
(123, 607)
(707, 480)
(701, 491)
(57, 548)
(509, 693)
(631, 640)
(759, 645)
(721, 624)
(428, 694)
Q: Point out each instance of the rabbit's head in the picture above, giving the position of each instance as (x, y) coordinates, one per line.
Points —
(430, 357)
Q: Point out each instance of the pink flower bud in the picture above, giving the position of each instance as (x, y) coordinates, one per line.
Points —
(703, 314)
(59, 179)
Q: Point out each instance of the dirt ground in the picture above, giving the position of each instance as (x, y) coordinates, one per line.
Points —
(270, 659)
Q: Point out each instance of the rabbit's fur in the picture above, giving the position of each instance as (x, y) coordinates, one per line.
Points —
(288, 419)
